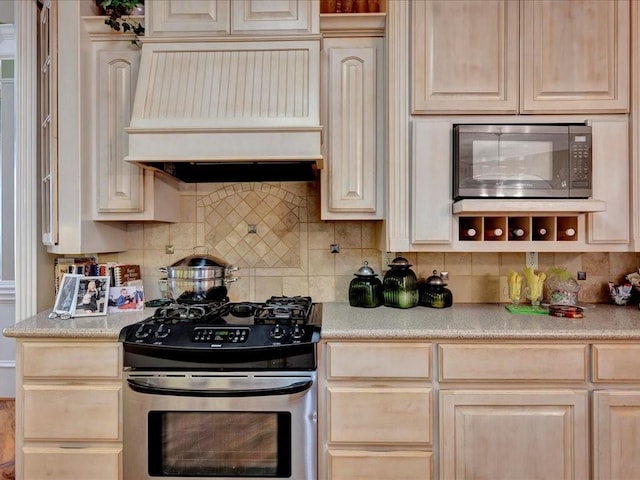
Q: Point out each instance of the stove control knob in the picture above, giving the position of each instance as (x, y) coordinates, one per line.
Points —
(278, 333)
(142, 332)
(162, 331)
(297, 332)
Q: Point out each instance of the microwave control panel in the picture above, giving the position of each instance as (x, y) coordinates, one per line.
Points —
(580, 158)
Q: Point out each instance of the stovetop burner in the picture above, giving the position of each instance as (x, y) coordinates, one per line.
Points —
(276, 322)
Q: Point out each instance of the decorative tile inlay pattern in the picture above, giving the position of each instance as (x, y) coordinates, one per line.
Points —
(274, 211)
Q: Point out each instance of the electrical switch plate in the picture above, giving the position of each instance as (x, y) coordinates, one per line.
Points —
(531, 260)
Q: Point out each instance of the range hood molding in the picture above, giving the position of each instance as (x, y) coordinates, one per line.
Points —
(230, 101)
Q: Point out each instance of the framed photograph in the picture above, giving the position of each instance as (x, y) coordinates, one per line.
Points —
(91, 297)
(67, 294)
(128, 298)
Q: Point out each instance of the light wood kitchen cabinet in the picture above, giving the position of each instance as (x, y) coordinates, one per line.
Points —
(89, 192)
(352, 114)
(206, 18)
(436, 223)
(69, 409)
(575, 57)
(509, 408)
(124, 191)
(377, 400)
(616, 411)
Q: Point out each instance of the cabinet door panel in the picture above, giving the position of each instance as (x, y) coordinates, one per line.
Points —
(616, 440)
(292, 16)
(380, 415)
(515, 362)
(352, 176)
(502, 434)
(379, 360)
(71, 412)
(72, 464)
(187, 17)
(58, 359)
(465, 56)
(575, 56)
(616, 363)
(405, 465)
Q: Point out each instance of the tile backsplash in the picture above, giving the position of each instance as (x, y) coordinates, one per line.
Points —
(273, 233)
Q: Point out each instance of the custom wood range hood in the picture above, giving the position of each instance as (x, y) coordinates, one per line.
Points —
(217, 110)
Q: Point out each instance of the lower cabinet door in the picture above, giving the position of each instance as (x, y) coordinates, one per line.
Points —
(616, 435)
(365, 465)
(95, 463)
(72, 412)
(514, 434)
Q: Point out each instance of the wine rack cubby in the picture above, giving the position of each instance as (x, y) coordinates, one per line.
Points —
(518, 228)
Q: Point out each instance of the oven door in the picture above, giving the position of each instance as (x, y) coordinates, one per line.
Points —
(220, 425)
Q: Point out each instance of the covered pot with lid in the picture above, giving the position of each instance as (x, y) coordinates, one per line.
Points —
(366, 289)
(400, 285)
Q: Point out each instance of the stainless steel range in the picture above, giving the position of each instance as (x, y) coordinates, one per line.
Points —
(222, 390)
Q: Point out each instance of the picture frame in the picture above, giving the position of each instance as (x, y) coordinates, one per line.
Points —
(126, 298)
(91, 296)
(67, 294)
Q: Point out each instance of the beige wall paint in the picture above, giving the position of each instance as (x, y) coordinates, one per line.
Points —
(290, 253)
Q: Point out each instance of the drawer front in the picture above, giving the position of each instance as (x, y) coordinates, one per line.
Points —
(512, 362)
(380, 415)
(406, 465)
(379, 360)
(72, 412)
(616, 363)
(51, 359)
(72, 463)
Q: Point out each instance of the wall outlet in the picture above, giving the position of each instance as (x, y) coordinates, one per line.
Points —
(531, 260)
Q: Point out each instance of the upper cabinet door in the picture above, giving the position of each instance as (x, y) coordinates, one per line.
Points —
(575, 56)
(465, 56)
(187, 17)
(211, 18)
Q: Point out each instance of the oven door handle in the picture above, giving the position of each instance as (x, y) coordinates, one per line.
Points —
(155, 388)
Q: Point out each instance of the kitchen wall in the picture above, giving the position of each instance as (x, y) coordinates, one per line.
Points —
(290, 252)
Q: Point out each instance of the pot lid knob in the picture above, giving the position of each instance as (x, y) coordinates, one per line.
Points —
(366, 271)
(435, 280)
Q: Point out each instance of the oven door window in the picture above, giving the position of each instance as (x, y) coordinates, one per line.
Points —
(220, 444)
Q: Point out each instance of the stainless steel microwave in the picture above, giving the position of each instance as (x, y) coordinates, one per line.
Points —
(522, 161)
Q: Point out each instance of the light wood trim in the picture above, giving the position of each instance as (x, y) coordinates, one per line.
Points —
(379, 360)
(373, 465)
(95, 463)
(616, 363)
(380, 415)
(72, 412)
(512, 362)
(60, 359)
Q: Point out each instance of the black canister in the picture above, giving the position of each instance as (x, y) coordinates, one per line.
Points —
(400, 285)
(366, 289)
(433, 292)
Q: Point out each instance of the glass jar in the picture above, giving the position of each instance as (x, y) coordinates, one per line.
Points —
(433, 292)
(560, 287)
(400, 285)
(366, 289)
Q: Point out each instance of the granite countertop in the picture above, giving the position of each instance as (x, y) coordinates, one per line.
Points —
(477, 321)
(340, 320)
(99, 327)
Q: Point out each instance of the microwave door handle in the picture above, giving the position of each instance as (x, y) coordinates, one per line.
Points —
(157, 389)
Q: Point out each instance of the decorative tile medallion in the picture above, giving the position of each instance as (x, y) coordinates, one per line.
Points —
(273, 212)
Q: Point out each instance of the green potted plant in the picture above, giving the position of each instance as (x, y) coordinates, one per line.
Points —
(116, 10)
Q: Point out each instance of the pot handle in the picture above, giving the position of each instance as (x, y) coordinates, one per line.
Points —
(163, 270)
(226, 281)
(229, 270)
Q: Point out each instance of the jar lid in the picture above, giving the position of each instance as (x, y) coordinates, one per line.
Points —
(435, 280)
(400, 262)
(366, 271)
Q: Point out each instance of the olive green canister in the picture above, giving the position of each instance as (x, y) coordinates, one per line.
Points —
(400, 285)
(366, 289)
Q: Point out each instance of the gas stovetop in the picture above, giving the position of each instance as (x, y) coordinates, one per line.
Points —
(279, 321)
